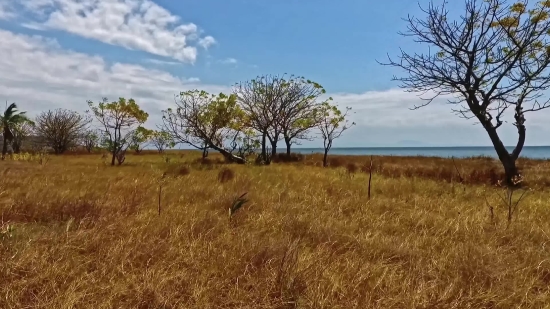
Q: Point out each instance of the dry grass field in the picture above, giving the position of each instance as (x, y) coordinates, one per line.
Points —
(76, 233)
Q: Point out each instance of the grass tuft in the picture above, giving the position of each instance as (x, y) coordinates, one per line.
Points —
(225, 174)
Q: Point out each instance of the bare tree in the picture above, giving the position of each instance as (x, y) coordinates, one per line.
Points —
(261, 99)
(60, 128)
(21, 132)
(493, 59)
(333, 122)
(203, 119)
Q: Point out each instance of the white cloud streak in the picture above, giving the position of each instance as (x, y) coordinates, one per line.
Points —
(229, 61)
(133, 24)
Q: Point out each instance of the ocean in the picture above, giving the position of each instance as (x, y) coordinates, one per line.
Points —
(532, 152)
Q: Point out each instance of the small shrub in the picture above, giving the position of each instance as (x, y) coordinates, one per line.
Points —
(23, 157)
(183, 171)
(351, 168)
(225, 175)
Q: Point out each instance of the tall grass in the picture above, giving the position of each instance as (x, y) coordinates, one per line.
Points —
(76, 233)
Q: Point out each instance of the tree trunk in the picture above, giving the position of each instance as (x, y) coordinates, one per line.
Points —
(16, 147)
(325, 157)
(4, 147)
(288, 144)
(273, 148)
(205, 152)
(507, 160)
(114, 158)
(229, 156)
(264, 152)
(7, 136)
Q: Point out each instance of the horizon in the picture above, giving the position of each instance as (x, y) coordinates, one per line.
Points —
(369, 147)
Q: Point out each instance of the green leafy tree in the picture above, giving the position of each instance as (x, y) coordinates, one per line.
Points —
(201, 119)
(140, 139)
(299, 110)
(333, 122)
(119, 119)
(261, 99)
(491, 64)
(162, 140)
(9, 120)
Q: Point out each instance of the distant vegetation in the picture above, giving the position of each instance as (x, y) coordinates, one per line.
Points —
(248, 123)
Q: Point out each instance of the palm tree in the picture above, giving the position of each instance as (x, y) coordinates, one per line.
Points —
(11, 117)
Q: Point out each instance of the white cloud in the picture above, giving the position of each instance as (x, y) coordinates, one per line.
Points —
(207, 41)
(162, 62)
(193, 80)
(229, 61)
(386, 118)
(391, 108)
(133, 24)
(43, 76)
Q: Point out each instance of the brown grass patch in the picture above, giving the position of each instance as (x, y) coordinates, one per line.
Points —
(78, 234)
(476, 171)
(284, 158)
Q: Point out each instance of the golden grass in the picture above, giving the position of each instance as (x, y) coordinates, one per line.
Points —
(79, 234)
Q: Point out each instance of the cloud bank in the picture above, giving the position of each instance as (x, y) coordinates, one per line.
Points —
(133, 24)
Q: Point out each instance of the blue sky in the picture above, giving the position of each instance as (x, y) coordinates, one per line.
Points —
(62, 52)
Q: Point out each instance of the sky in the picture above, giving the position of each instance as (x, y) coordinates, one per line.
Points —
(61, 53)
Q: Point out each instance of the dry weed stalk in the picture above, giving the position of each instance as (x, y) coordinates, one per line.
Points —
(507, 199)
(286, 280)
(225, 175)
(370, 177)
(161, 182)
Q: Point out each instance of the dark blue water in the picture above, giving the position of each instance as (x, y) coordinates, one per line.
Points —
(532, 152)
